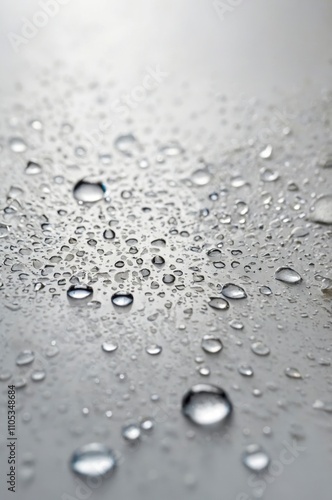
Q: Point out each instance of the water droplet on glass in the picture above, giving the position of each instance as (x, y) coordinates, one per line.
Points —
(154, 349)
(218, 303)
(268, 175)
(260, 349)
(201, 177)
(322, 210)
(109, 347)
(255, 458)
(17, 145)
(288, 275)
(245, 370)
(131, 433)
(4, 230)
(122, 299)
(232, 291)
(109, 234)
(25, 358)
(293, 373)
(265, 290)
(211, 344)
(89, 192)
(266, 152)
(206, 405)
(93, 460)
(126, 144)
(38, 375)
(168, 279)
(33, 168)
(79, 292)
(171, 149)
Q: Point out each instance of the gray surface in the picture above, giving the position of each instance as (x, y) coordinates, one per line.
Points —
(232, 87)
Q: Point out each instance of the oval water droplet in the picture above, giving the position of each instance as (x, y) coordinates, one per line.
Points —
(154, 349)
(122, 299)
(293, 373)
(288, 275)
(245, 370)
(4, 230)
(33, 168)
(218, 303)
(322, 210)
(211, 344)
(89, 192)
(260, 349)
(93, 460)
(131, 433)
(206, 405)
(255, 458)
(17, 145)
(79, 292)
(109, 347)
(109, 234)
(126, 144)
(232, 291)
(25, 358)
(201, 177)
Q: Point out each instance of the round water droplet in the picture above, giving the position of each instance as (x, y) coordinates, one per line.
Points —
(201, 177)
(93, 460)
(25, 358)
(245, 370)
(206, 405)
(293, 373)
(266, 153)
(168, 279)
(260, 349)
(109, 347)
(109, 234)
(288, 275)
(171, 149)
(154, 349)
(255, 458)
(232, 291)
(211, 344)
(218, 303)
(131, 433)
(38, 375)
(33, 168)
(17, 145)
(80, 292)
(265, 290)
(147, 424)
(322, 210)
(89, 192)
(122, 299)
(126, 144)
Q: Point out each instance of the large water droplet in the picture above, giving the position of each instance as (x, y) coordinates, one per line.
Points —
(93, 460)
(79, 292)
(260, 349)
(322, 210)
(211, 344)
(122, 299)
(89, 192)
(25, 358)
(255, 458)
(287, 275)
(232, 291)
(206, 405)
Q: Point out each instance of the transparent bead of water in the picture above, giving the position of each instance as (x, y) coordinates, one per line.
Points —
(232, 291)
(201, 177)
(288, 275)
(17, 145)
(260, 349)
(255, 458)
(89, 192)
(109, 347)
(122, 299)
(79, 292)
(293, 373)
(131, 433)
(154, 349)
(206, 405)
(218, 303)
(321, 212)
(245, 370)
(25, 358)
(33, 168)
(211, 344)
(93, 460)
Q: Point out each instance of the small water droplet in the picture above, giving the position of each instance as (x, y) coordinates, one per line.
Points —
(168, 279)
(266, 153)
(122, 299)
(154, 349)
(260, 349)
(218, 303)
(201, 177)
(126, 144)
(268, 175)
(265, 290)
(293, 373)
(288, 275)
(38, 375)
(322, 210)
(25, 358)
(131, 433)
(245, 370)
(206, 405)
(171, 149)
(33, 168)
(109, 234)
(232, 291)
(255, 458)
(4, 230)
(93, 460)
(109, 347)
(17, 145)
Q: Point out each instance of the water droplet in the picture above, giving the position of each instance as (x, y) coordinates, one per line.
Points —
(322, 210)
(232, 291)
(109, 234)
(4, 230)
(109, 347)
(25, 358)
(201, 177)
(33, 168)
(218, 303)
(211, 344)
(168, 279)
(89, 192)
(206, 405)
(287, 275)
(158, 260)
(122, 299)
(260, 349)
(266, 152)
(38, 375)
(126, 144)
(154, 349)
(268, 175)
(293, 373)
(255, 458)
(265, 290)
(79, 292)
(147, 424)
(245, 370)
(171, 149)
(93, 460)
(131, 433)
(17, 145)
